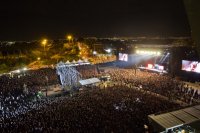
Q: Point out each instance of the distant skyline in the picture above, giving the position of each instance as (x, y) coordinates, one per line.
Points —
(36, 19)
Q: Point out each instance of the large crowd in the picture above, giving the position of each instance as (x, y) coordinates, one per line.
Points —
(17, 90)
(87, 71)
(14, 82)
(120, 107)
(115, 109)
(157, 83)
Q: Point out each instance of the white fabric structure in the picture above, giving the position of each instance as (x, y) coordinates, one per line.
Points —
(89, 81)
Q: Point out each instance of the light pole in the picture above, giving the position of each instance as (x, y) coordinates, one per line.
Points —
(44, 42)
(94, 50)
(69, 38)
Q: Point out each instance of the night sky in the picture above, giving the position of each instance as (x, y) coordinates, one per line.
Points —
(34, 19)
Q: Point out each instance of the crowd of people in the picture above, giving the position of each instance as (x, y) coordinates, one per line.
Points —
(87, 71)
(123, 106)
(14, 82)
(18, 90)
(157, 83)
(114, 109)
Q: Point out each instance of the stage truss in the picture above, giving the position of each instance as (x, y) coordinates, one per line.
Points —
(69, 76)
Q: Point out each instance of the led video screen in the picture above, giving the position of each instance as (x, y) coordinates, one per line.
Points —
(123, 57)
(191, 66)
(159, 67)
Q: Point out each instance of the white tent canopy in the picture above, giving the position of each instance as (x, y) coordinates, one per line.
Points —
(89, 81)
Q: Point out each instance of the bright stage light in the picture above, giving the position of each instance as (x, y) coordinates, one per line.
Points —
(150, 66)
(158, 53)
(161, 67)
(148, 52)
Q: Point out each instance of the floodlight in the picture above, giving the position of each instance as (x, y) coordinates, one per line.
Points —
(24, 68)
(158, 53)
(94, 52)
(108, 50)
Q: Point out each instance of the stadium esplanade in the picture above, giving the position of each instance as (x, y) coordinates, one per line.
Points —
(183, 120)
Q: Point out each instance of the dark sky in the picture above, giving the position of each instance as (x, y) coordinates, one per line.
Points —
(34, 19)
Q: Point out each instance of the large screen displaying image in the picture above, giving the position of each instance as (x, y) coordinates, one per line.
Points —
(123, 57)
(191, 66)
